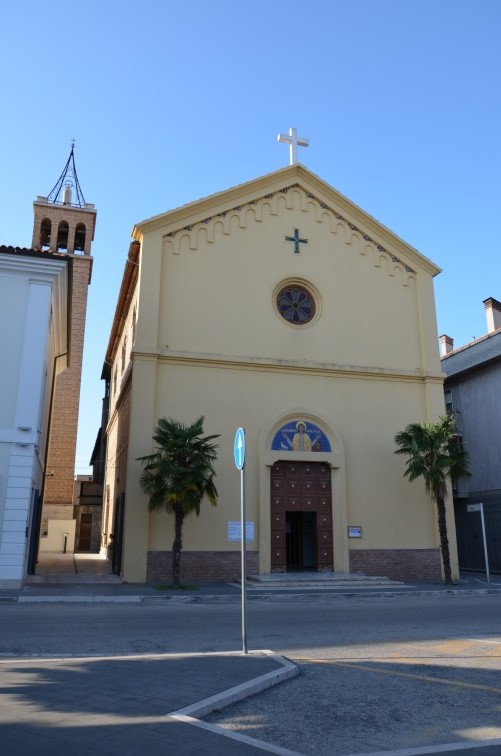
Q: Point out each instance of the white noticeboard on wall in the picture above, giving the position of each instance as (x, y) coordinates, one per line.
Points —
(235, 530)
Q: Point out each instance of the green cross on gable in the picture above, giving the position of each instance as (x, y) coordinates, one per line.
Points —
(297, 241)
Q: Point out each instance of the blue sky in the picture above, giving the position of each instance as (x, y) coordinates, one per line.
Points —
(169, 101)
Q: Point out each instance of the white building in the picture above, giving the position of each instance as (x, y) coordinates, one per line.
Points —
(34, 345)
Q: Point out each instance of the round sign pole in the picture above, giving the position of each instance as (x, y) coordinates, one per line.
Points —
(244, 561)
(239, 454)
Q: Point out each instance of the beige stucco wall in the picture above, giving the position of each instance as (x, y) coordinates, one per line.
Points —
(210, 342)
(354, 409)
(229, 285)
(59, 531)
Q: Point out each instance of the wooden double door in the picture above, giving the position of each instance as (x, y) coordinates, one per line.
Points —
(301, 517)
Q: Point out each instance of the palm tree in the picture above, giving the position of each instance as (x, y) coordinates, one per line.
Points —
(178, 475)
(435, 454)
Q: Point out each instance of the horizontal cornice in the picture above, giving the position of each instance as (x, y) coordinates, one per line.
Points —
(43, 266)
(264, 364)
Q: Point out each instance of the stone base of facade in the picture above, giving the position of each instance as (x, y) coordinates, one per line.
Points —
(201, 566)
(397, 564)
(11, 583)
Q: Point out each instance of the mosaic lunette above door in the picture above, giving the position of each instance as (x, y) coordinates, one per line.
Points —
(300, 435)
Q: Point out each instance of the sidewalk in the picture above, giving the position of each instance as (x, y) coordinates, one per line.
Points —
(87, 578)
(131, 706)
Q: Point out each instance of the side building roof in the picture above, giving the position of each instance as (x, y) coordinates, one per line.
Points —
(473, 356)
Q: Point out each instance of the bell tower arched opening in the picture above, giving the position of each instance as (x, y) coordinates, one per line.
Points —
(79, 245)
(63, 231)
(45, 233)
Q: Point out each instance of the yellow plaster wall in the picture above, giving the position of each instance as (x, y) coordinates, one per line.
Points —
(369, 309)
(390, 510)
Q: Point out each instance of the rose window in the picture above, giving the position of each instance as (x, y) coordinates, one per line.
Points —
(296, 304)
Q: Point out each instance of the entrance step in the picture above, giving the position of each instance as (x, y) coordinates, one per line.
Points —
(72, 569)
(89, 579)
(318, 580)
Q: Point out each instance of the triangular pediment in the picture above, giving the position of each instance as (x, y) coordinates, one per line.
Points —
(293, 186)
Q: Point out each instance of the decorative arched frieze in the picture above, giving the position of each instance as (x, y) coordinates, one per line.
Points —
(381, 261)
(187, 241)
(296, 198)
(250, 213)
(290, 198)
(337, 227)
(202, 235)
(354, 240)
(220, 227)
(169, 247)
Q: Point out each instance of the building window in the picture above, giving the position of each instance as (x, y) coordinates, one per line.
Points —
(296, 304)
(449, 405)
(124, 353)
(134, 318)
(115, 381)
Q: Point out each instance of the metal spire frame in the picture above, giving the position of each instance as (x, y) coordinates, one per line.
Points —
(69, 175)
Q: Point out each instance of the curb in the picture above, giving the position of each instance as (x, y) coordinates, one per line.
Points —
(230, 599)
(77, 599)
(237, 693)
(190, 714)
(437, 749)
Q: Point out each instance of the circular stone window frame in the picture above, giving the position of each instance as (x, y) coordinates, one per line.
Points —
(313, 293)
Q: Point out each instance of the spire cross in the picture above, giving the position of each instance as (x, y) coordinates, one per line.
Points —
(294, 141)
(297, 241)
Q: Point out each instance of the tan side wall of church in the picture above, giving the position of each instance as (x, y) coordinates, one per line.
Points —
(58, 498)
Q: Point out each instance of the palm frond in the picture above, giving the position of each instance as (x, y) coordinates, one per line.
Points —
(432, 453)
(180, 472)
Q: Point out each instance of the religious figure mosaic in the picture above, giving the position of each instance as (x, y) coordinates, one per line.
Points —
(300, 435)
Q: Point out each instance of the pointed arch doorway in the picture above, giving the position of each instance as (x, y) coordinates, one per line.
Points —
(301, 516)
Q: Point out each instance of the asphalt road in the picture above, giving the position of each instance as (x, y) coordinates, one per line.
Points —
(376, 674)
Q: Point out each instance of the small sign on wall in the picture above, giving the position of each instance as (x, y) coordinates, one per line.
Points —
(235, 530)
(354, 531)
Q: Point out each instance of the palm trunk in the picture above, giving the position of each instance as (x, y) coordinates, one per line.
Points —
(444, 541)
(177, 546)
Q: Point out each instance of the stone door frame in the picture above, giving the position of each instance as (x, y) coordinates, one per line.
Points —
(336, 461)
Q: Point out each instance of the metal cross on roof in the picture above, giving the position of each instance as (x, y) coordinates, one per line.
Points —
(294, 142)
(297, 241)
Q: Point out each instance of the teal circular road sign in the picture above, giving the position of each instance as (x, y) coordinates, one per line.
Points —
(239, 448)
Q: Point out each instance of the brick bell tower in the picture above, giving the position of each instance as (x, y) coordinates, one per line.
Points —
(64, 224)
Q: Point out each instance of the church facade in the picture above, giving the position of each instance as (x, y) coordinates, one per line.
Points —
(281, 307)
